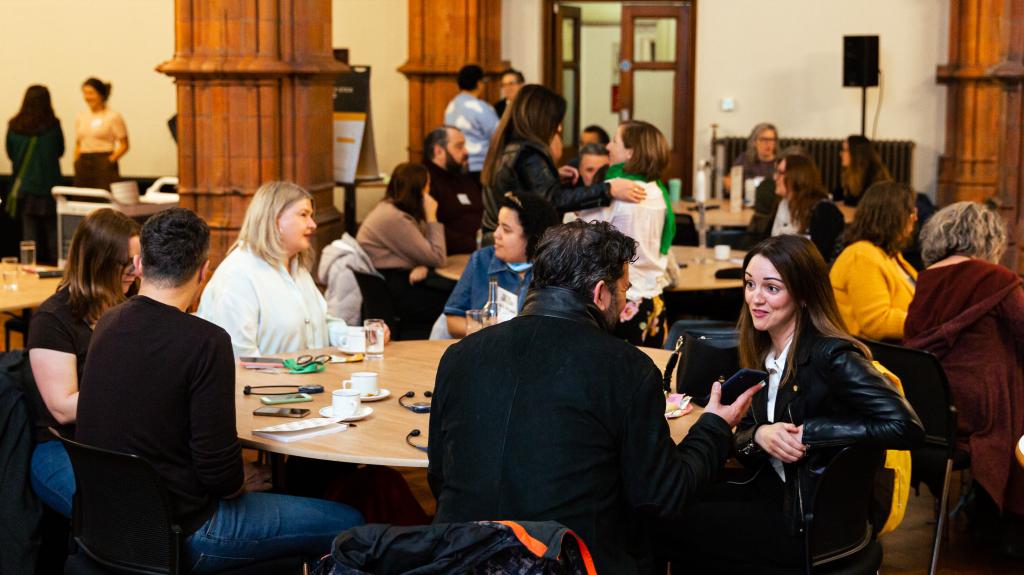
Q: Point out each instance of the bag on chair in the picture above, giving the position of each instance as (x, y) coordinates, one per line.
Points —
(892, 483)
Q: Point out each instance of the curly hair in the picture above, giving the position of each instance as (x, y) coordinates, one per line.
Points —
(578, 255)
(963, 229)
(882, 217)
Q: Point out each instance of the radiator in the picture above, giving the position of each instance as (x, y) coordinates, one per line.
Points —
(897, 155)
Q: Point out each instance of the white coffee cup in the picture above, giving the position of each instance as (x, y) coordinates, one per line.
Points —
(363, 381)
(345, 402)
(355, 340)
(336, 332)
(722, 252)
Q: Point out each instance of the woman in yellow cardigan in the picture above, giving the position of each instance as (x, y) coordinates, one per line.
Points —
(872, 282)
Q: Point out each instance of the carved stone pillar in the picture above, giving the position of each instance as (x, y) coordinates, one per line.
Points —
(443, 37)
(255, 86)
(984, 153)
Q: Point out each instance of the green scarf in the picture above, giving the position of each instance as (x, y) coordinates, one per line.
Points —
(669, 231)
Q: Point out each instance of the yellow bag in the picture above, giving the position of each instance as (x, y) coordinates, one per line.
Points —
(898, 462)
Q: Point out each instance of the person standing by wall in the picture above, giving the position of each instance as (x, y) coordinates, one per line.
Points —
(101, 139)
(475, 117)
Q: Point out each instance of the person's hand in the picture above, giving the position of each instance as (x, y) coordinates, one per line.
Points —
(418, 274)
(733, 413)
(568, 175)
(627, 190)
(112, 158)
(257, 477)
(387, 333)
(783, 441)
(429, 208)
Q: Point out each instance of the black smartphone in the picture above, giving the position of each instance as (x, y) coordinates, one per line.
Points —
(295, 412)
(44, 274)
(741, 381)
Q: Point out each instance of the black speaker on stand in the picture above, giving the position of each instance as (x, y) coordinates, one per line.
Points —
(860, 69)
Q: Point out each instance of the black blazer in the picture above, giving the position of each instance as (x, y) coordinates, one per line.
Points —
(549, 417)
(840, 399)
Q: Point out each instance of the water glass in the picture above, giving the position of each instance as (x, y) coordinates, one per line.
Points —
(474, 320)
(28, 253)
(10, 279)
(374, 329)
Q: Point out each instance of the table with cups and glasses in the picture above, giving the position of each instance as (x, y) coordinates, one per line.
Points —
(21, 288)
(718, 215)
(453, 267)
(701, 265)
(380, 438)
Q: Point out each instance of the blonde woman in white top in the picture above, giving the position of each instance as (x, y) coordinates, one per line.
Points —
(262, 294)
(101, 139)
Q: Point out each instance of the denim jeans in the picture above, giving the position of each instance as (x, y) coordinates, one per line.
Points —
(261, 526)
(53, 480)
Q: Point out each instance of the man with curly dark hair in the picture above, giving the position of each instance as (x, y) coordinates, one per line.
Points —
(549, 417)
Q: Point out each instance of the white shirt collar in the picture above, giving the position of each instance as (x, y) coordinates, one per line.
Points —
(778, 364)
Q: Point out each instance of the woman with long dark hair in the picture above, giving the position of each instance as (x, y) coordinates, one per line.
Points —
(805, 208)
(862, 168)
(523, 156)
(99, 275)
(823, 394)
(35, 143)
(101, 138)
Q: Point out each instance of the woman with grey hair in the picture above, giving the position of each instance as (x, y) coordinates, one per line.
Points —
(758, 160)
(969, 311)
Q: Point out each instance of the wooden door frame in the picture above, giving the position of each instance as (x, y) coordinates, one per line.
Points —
(686, 69)
(556, 63)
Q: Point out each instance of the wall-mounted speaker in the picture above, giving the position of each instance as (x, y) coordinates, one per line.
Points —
(860, 61)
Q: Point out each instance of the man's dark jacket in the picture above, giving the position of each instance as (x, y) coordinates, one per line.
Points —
(548, 417)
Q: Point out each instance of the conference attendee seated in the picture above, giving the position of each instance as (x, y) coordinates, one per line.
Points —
(262, 294)
(593, 158)
(640, 152)
(969, 311)
(405, 241)
(862, 168)
(591, 135)
(160, 383)
(549, 417)
(99, 274)
(475, 117)
(459, 205)
(805, 208)
(522, 219)
(511, 81)
(823, 394)
(758, 160)
(873, 283)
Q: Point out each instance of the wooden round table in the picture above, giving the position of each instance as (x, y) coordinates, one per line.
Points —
(720, 216)
(32, 291)
(700, 267)
(380, 438)
(454, 267)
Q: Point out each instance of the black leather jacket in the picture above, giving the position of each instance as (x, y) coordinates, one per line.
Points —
(840, 399)
(526, 166)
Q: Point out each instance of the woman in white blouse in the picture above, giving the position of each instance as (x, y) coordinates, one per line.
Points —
(262, 294)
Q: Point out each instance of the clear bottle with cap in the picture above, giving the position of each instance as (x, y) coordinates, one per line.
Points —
(491, 307)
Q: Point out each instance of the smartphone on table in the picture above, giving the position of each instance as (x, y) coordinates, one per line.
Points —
(260, 362)
(295, 412)
(290, 398)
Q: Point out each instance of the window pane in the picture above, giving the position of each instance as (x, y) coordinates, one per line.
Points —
(568, 39)
(653, 99)
(569, 127)
(654, 39)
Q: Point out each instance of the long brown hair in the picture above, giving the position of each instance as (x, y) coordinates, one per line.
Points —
(405, 189)
(805, 276)
(36, 113)
(882, 217)
(650, 149)
(97, 260)
(866, 167)
(803, 183)
(534, 116)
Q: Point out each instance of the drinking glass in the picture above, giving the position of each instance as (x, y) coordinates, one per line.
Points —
(374, 329)
(474, 320)
(10, 279)
(28, 253)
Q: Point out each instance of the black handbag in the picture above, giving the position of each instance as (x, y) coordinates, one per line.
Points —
(701, 357)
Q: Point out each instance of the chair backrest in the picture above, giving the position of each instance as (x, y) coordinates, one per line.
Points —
(122, 514)
(926, 387)
(686, 231)
(837, 525)
(710, 351)
(377, 300)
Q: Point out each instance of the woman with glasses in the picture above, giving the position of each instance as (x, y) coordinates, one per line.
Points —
(758, 160)
(805, 208)
(873, 284)
(98, 276)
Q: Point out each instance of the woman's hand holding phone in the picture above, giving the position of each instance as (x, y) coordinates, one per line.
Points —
(783, 441)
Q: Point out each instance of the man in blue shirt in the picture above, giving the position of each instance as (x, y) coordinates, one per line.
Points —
(475, 117)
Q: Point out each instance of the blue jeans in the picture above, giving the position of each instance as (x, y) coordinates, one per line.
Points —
(53, 480)
(260, 526)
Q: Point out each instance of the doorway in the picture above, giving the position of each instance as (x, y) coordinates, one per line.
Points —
(618, 60)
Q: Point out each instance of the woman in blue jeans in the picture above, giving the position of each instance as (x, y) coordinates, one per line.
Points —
(99, 275)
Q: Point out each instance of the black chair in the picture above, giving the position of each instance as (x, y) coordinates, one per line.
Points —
(709, 351)
(838, 533)
(377, 300)
(686, 231)
(17, 324)
(122, 519)
(927, 390)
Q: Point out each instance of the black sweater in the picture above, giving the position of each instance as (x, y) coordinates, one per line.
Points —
(160, 383)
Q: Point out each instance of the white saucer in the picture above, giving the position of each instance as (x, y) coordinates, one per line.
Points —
(381, 394)
(364, 412)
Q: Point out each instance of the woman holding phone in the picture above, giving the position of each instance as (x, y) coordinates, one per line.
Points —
(98, 276)
(822, 394)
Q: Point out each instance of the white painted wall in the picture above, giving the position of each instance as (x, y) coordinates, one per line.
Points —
(598, 44)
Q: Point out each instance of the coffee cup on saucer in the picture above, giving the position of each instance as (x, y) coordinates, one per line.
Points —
(365, 382)
(345, 402)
